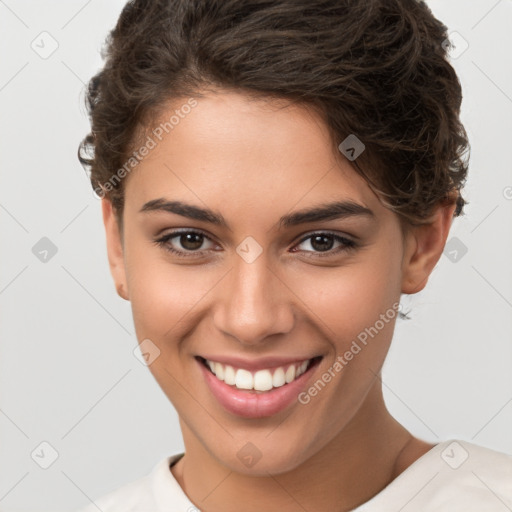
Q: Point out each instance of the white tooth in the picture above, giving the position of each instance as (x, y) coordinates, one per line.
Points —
(298, 371)
(211, 365)
(219, 371)
(302, 368)
(243, 379)
(278, 379)
(229, 375)
(290, 374)
(262, 380)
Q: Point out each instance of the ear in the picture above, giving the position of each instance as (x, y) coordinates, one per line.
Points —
(114, 249)
(423, 248)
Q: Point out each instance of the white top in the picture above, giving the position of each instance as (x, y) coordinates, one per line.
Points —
(453, 476)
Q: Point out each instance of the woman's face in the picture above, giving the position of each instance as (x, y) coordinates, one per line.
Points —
(259, 285)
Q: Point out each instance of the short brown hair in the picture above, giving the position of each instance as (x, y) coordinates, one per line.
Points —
(377, 69)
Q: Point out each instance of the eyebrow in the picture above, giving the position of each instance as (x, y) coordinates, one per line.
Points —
(329, 211)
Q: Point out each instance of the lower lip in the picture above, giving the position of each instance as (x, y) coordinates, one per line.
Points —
(250, 404)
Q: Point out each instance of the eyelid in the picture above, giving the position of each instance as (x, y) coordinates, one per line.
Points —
(182, 231)
(334, 234)
(346, 244)
(163, 242)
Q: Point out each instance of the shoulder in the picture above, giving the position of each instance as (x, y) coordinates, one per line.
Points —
(462, 474)
(454, 475)
(478, 464)
(141, 494)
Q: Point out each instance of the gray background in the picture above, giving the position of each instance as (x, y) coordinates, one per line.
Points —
(68, 375)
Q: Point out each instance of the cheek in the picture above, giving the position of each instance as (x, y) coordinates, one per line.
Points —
(342, 300)
(347, 299)
(161, 293)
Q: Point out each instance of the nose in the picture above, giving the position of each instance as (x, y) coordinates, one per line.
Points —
(255, 303)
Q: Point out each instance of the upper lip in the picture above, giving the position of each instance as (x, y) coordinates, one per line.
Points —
(256, 364)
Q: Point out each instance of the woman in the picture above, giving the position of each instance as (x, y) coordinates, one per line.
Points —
(274, 175)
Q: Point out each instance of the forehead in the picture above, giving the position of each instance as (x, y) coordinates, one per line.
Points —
(234, 152)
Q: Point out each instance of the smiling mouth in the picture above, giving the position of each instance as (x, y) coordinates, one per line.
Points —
(262, 380)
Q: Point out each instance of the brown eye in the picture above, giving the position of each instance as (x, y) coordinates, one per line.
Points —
(191, 241)
(184, 243)
(324, 242)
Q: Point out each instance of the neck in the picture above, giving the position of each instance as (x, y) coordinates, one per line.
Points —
(370, 452)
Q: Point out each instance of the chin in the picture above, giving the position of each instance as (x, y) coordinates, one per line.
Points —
(252, 461)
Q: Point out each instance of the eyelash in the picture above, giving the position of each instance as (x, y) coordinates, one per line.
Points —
(347, 244)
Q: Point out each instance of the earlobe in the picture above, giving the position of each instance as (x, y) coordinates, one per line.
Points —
(114, 249)
(423, 248)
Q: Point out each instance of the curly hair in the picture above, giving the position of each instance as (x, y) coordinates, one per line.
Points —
(377, 69)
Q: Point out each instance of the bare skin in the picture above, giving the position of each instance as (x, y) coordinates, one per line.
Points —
(253, 163)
